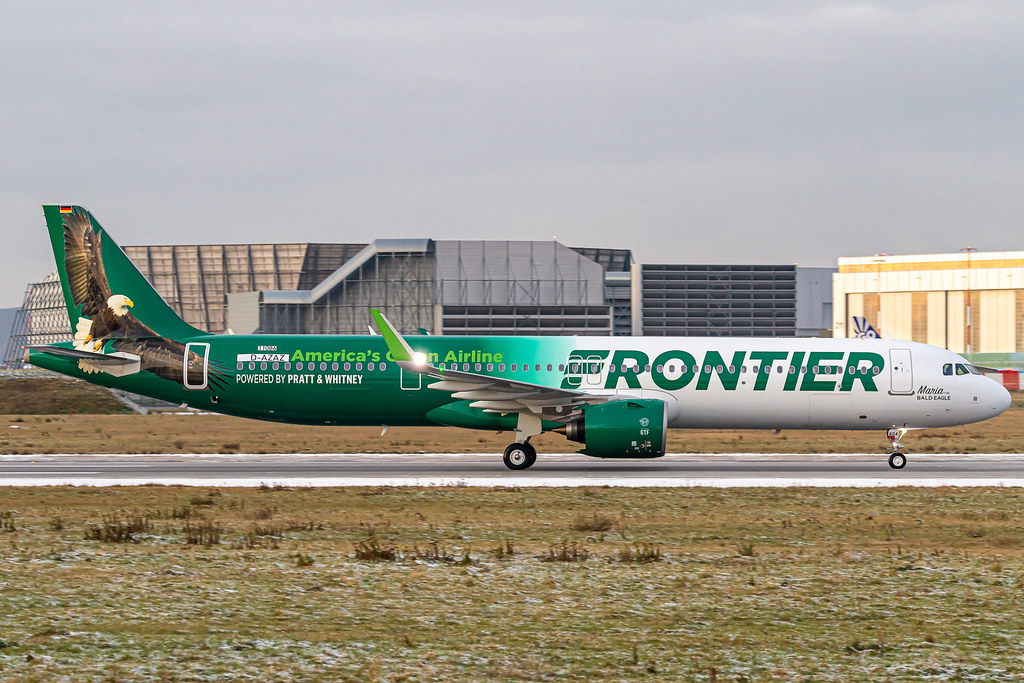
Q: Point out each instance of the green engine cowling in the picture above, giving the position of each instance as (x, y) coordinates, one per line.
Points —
(628, 428)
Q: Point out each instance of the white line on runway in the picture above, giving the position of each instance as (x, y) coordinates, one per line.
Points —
(526, 482)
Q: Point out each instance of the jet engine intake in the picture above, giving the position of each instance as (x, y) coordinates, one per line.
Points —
(627, 428)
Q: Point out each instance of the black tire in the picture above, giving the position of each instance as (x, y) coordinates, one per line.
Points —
(897, 461)
(519, 456)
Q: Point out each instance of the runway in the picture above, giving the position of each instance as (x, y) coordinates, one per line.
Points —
(476, 469)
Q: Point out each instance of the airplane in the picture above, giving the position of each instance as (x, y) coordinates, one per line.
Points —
(617, 396)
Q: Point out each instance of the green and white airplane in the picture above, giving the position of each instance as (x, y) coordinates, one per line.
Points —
(616, 395)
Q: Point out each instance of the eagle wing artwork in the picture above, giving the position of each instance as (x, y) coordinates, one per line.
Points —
(617, 396)
(104, 317)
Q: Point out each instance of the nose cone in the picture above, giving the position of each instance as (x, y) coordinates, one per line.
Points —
(1000, 399)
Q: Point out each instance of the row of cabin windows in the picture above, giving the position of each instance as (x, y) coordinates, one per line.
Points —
(371, 366)
(595, 369)
(576, 369)
(960, 369)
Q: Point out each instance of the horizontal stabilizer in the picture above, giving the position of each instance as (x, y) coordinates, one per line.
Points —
(118, 364)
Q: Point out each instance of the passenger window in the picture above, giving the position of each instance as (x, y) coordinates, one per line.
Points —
(334, 366)
(369, 366)
(514, 367)
(549, 367)
(288, 366)
(359, 366)
(537, 368)
(348, 366)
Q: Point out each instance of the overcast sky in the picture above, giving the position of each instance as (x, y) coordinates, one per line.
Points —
(742, 132)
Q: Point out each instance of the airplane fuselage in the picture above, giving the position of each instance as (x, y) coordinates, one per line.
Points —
(735, 383)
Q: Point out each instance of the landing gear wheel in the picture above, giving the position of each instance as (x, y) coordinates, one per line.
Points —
(897, 461)
(520, 456)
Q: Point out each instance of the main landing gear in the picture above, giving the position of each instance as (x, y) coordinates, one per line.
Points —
(520, 456)
(897, 460)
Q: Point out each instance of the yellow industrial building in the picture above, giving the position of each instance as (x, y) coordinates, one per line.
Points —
(968, 302)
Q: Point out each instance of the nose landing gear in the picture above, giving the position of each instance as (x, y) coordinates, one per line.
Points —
(897, 460)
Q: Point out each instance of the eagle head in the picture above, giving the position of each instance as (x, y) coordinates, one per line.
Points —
(119, 304)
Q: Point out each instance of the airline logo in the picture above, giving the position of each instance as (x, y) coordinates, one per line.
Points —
(862, 329)
(676, 369)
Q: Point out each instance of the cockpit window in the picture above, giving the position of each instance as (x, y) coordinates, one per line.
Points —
(947, 369)
(961, 369)
(973, 370)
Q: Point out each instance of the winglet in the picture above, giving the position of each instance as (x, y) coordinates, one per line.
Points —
(399, 348)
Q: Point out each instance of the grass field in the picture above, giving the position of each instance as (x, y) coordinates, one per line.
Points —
(511, 584)
(46, 416)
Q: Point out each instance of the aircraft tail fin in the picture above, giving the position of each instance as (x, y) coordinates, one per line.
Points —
(100, 283)
(862, 329)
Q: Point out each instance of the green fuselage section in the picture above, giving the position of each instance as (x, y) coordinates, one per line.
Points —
(325, 379)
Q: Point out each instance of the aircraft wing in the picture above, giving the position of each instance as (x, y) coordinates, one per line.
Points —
(490, 394)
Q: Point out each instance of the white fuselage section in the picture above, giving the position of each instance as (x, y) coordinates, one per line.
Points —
(773, 383)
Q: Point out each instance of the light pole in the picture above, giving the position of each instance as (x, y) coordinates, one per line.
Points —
(878, 293)
(968, 322)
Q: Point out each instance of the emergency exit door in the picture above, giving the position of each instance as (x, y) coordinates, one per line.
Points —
(901, 372)
(195, 370)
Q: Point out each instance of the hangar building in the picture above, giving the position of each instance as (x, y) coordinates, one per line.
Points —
(966, 302)
(486, 287)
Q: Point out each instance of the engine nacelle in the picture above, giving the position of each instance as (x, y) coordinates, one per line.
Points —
(628, 428)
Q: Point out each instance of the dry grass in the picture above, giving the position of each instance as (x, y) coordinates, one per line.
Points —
(217, 433)
(45, 423)
(409, 584)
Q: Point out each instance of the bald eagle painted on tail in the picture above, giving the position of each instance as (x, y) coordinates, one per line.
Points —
(106, 319)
